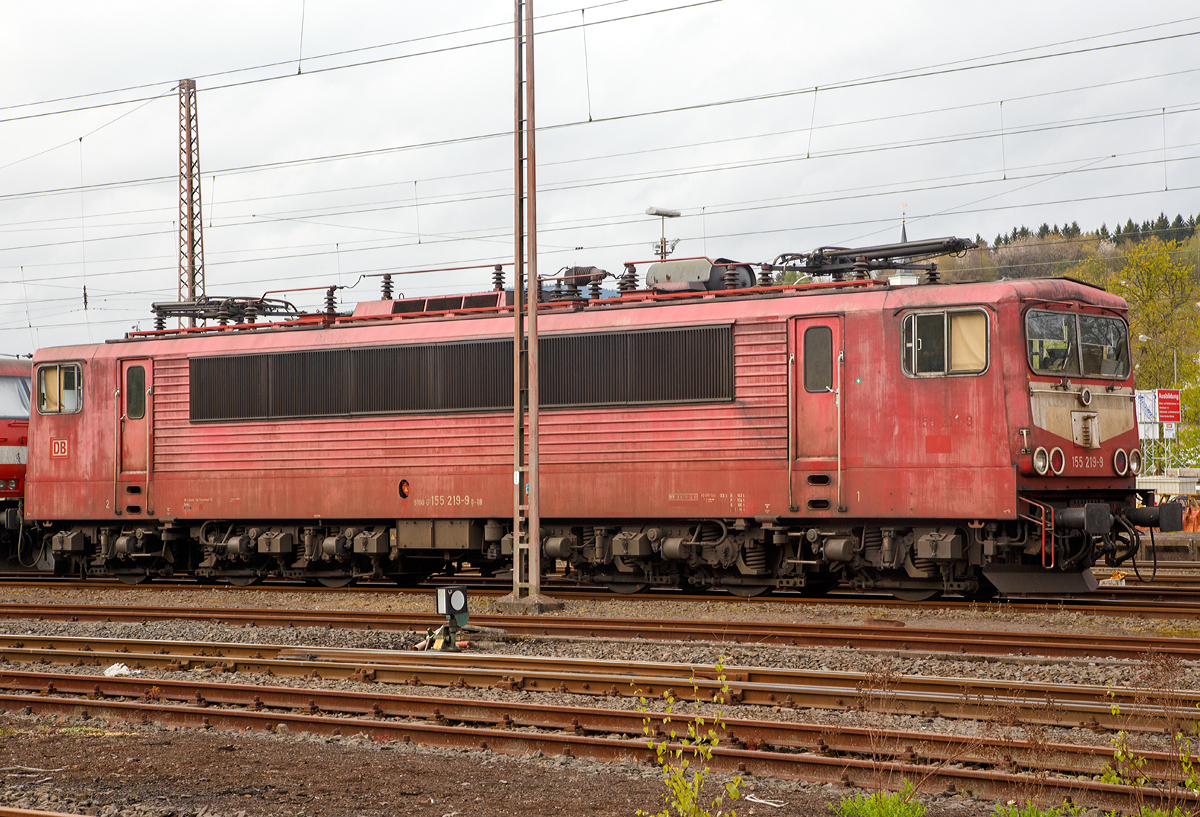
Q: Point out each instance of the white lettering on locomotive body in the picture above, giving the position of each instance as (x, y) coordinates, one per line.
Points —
(449, 501)
(1093, 461)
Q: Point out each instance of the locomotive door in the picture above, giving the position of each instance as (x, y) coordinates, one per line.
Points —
(134, 411)
(816, 414)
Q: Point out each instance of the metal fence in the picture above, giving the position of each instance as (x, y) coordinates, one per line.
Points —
(1159, 455)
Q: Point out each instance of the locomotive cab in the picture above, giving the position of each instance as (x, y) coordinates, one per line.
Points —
(1078, 452)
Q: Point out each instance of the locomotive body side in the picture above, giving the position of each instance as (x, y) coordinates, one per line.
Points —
(787, 438)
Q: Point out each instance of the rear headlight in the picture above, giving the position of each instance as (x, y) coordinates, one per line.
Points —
(1041, 461)
(1135, 461)
(1121, 462)
(1058, 461)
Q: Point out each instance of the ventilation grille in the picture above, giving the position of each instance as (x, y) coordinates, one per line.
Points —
(659, 366)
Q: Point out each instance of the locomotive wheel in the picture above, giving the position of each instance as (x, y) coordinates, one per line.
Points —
(408, 579)
(747, 591)
(242, 581)
(132, 578)
(985, 592)
(335, 581)
(916, 595)
(626, 588)
(818, 588)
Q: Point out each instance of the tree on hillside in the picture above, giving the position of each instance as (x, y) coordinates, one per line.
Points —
(1162, 296)
(1032, 257)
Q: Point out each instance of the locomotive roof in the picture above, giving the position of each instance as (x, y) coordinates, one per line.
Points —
(15, 368)
(642, 308)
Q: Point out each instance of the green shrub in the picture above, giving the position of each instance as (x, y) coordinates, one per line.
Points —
(1011, 809)
(685, 765)
(881, 804)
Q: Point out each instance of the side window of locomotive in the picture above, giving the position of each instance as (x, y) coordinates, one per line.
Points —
(60, 388)
(1104, 343)
(942, 343)
(968, 342)
(1052, 342)
(135, 392)
(818, 359)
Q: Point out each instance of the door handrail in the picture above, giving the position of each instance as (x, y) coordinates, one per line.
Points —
(791, 459)
(118, 439)
(837, 408)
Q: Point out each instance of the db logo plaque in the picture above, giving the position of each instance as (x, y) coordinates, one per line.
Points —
(58, 449)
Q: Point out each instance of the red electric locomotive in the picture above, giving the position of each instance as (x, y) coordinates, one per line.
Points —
(700, 431)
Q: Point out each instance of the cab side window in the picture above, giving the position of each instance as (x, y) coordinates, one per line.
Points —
(944, 342)
(60, 388)
(1053, 342)
(818, 359)
(135, 392)
(1062, 343)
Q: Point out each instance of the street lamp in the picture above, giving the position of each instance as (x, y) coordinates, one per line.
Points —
(1174, 353)
(664, 214)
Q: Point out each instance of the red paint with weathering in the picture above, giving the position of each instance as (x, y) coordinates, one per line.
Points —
(911, 448)
(14, 441)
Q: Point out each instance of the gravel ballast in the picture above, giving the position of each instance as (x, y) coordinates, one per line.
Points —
(24, 737)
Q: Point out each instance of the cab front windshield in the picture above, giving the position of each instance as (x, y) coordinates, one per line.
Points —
(1070, 343)
(14, 398)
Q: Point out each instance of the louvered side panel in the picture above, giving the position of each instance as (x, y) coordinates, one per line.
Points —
(750, 428)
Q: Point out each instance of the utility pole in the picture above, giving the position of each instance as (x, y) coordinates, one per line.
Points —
(526, 534)
(191, 222)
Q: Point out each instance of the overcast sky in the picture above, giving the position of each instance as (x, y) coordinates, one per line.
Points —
(342, 138)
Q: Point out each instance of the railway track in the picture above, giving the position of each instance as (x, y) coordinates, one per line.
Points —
(874, 634)
(987, 767)
(921, 696)
(1169, 597)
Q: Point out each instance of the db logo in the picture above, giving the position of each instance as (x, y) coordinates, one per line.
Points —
(58, 448)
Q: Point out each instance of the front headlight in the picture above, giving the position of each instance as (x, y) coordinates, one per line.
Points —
(1058, 460)
(1120, 462)
(1135, 461)
(1041, 461)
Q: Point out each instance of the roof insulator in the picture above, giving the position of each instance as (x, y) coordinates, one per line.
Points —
(628, 282)
(330, 303)
(732, 277)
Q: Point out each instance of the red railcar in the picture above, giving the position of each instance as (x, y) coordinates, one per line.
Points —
(916, 439)
(14, 434)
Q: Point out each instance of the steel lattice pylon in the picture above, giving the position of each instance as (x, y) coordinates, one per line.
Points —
(191, 237)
